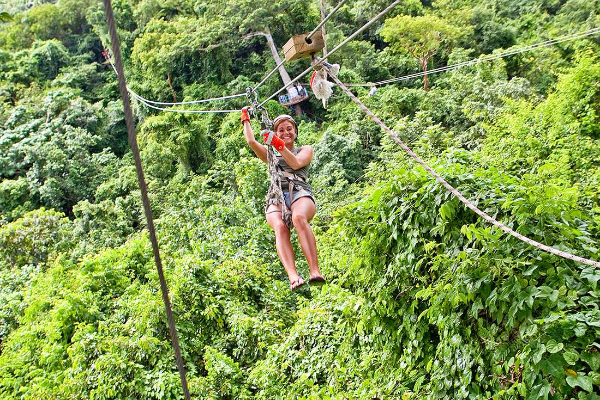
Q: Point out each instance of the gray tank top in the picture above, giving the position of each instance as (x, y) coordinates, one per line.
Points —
(296, 174)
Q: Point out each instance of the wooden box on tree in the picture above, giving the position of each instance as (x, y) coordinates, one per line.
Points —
(299, 47)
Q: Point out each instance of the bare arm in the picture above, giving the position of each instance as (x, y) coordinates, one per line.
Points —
(259, 149)
(302, 159)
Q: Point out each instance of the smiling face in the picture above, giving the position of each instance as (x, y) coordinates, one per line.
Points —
(286, 131)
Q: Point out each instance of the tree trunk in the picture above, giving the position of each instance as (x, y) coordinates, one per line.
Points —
(323, 30)
(282, 71)
(171, 87)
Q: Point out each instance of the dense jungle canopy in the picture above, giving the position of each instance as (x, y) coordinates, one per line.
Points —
(424, 301)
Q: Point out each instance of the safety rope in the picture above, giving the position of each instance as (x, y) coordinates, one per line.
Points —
(455, 192)
(492, 57)
(349, 38)
(114, 38)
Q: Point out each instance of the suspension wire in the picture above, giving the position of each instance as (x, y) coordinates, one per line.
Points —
(233, 96)
(492, 57)
(149, 102)
(339, 46)
(140, 99)
(455, 192)
(273, 70)
(144, 191)
(307, 38)
(145, 102)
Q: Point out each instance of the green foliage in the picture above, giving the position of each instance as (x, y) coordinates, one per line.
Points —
(178, 135)
(555, 141)
(44, 60)
(15, 199)
(421, 37)
(336, 155)
(32, 238)
(424, 299)
(26, 246)
(451, 286)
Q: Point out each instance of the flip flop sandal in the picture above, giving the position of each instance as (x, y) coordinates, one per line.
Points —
(318, 281)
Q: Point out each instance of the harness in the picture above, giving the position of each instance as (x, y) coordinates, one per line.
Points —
(276, 172)
(275, 194)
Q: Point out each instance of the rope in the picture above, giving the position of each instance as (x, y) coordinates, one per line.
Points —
(360, 30)
(508, 53)
(455, 192)
(307, 38)
(142, 183)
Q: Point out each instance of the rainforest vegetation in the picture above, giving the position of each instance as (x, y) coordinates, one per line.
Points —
(424, 299)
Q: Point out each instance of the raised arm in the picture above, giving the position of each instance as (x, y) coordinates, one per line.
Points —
(302, 159)
(259, 149)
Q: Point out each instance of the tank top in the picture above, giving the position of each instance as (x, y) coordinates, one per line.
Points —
(295, 174)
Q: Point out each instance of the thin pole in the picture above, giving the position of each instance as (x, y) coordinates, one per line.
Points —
(143, 188)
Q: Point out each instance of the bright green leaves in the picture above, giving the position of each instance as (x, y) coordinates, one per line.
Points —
(553, 347)
(448, 210)
(592, 275)
(554, 141)
(420, 36)
(174, 141)
(584, 382)
(571, 356)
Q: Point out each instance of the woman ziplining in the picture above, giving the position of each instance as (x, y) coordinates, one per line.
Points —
(292, 166)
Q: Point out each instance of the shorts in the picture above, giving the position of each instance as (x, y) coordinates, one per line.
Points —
(297, 194)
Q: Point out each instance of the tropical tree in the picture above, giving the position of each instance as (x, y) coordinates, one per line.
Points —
(421, 37)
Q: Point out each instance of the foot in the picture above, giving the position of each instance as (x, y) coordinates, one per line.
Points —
(296, 283)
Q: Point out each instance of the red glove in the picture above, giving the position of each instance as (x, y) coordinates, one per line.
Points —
(269, 137)
(245, 115)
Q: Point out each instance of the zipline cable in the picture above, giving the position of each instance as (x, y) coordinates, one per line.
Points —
(146, 101)
(492, 57)
(307, 38)
(455, 192)
(339, 46)
(149, 103)
(273, 70)
(114, 39)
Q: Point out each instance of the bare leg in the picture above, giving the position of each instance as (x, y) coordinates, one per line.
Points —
(303, 211)
(283, 245)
